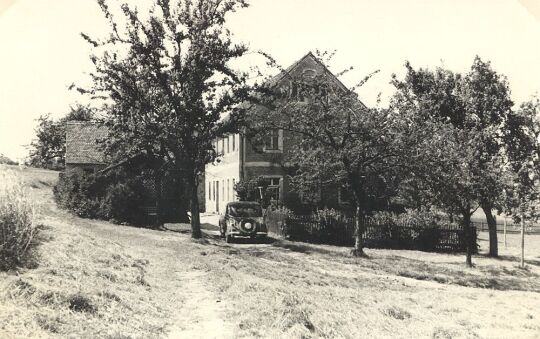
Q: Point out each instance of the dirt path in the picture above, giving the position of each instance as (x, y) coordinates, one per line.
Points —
(202, 315)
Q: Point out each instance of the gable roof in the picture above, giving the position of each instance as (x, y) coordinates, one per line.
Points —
(306, 59)
(82, 142)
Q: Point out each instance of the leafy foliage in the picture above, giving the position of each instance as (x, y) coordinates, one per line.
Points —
(463, 166)
(522, 195)
(114, 196)
(4, 160)
(337, 140)
(168, 77)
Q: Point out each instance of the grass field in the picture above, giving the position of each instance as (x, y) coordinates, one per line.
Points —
(98, 280)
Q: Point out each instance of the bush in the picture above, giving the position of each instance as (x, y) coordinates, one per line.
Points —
(293, 202)
(418, 230)
(114, 196)
(323, 226)
(421, 230)
(17, 221)
(276, 220)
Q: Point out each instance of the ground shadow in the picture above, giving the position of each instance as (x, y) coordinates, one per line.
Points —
(512, 258)
(306, 248)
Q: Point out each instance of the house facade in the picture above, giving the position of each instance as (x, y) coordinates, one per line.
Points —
(241, 160)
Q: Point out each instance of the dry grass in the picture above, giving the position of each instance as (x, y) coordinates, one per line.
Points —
(18, 225)
(106, 281)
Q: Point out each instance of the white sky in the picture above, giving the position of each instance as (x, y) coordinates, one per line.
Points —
(41, 52)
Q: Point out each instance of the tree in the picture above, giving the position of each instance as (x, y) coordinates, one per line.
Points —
(6, 160)
(337, 139)
(523, 152)
(168, 78)
(477, 103)
(447, 168)
(49, 149)
(487, 105)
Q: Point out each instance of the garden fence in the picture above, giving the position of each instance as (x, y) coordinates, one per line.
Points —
(341, 231)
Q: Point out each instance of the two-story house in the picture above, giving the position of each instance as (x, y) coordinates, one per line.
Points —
(241, 160)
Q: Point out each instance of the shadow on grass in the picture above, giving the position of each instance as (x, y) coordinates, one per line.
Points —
(304, 248)
(513, 258)
(454, 273)
(185, 228)
(487, 276)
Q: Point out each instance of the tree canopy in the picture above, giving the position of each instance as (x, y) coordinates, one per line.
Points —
(476, 106)
(167, 78)
(335, 139)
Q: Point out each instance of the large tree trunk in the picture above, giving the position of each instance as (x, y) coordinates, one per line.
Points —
(468, 236)
(492, 226)
(195, 215)
(158, 183)
(358, 250)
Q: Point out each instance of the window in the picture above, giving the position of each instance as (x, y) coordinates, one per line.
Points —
(309, 74)
(233, 185)
(223, 145)
(228, 190)
(209, 191)
(272, 141)
(233, 143)
(223, 190)
(228, 149)
(214, 190)
(273, 188)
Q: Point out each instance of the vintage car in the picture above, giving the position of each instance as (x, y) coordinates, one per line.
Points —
(242, 219)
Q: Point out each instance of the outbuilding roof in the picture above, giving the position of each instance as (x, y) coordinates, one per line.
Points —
(83, 142)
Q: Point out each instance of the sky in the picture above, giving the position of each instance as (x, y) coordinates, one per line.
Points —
(42, 53)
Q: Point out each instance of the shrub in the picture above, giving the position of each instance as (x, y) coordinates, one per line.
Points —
(114, 196)
(332, 226)
(123, 201)
(276, 220)
(421, 230)
(17, 221)
(293, 202)
(323, 226)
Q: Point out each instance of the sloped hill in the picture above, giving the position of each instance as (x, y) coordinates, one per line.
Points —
(99, 280)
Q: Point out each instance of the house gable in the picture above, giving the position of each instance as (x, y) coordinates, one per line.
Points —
(307, 64)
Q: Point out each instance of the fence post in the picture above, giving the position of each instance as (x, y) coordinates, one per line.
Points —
(504, 230)
(522, 240)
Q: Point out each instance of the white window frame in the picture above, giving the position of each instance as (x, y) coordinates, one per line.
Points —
(279, 186)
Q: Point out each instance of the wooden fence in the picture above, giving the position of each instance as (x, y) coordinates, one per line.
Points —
(340, 231)
(510, 227)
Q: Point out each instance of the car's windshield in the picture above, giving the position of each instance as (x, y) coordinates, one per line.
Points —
(245, 211)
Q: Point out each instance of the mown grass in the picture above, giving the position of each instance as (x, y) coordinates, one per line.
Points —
(291, 290)
(98, 280)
